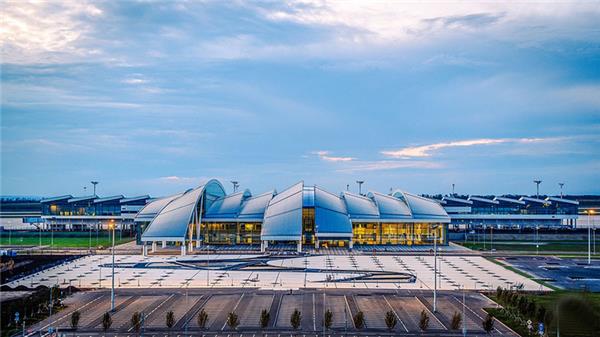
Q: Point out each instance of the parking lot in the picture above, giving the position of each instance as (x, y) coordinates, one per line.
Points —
(572, 274)
(329, 272)
(407, 305)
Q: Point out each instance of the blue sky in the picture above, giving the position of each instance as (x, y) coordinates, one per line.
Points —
(152, 97)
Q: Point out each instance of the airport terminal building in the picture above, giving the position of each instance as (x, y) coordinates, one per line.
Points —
(510, 212)
(300, 215)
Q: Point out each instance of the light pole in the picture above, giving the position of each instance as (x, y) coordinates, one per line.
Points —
(235, 184)
(537, 240)
(360, 182)
(537, 189)
(94, 183)
(434, 227)
(491, 238)
(590, 212)
(112, 288)
(561, 189)
(464, 326)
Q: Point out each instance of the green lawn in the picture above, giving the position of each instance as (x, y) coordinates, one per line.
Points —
(61, 239)
(549, 246)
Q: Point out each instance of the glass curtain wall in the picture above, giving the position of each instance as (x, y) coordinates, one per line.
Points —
(397, 233)
(308, 226)
(231, 233)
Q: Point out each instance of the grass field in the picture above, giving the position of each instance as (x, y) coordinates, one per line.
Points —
(61, 239)
(522, 246)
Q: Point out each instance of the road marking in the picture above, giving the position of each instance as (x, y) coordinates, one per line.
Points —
(474, 313)
(394, 311)
(431, 313)
(314, 313)
(235, 307)
(65, 316)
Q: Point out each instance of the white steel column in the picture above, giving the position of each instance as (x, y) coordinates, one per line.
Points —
(164, 244)
(154, 246)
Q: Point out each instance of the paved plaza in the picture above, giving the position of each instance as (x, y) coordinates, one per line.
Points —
(263, 272)
(407, 305)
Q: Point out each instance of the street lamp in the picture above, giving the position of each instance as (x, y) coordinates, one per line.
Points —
(94, 183)
(360, 182)
(434, 227)
(111, 225)
(537, 187)
(590, 212)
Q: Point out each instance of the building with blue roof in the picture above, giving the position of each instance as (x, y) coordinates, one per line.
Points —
(300, 215)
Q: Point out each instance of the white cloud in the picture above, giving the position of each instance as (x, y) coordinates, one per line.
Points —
(325, 155)
(134, 80)
(382, 165)
(426, 150)
(180, 180)
(381, 21)
(45, 31)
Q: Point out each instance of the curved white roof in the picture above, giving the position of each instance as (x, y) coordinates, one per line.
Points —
(253, 209)
(390, 208)
(283, 216)
(422, 208)
(360, 207)
(154, 207)
(227, 207)
(331, 216)
(172, 221)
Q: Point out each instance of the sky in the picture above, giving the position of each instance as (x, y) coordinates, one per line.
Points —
(151, 97)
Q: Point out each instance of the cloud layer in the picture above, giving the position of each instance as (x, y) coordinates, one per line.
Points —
(146, 95)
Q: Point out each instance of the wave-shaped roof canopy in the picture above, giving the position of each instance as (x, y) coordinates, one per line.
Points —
(283, 216)
(171, 223)
(281, 213)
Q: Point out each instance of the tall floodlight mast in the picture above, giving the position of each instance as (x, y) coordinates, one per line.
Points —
(537, 188)
(235, 184)
(561, 189)
(94, 183)
(360, 182)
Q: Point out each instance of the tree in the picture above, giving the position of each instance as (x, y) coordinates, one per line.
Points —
(136, 321)
(233, 320)
(359, 320)
(523, 304)
(55, 294)
(541, 314)
(390, 320)
(424, 321)
(296, 319)
(488, 323)
(531, 309)
(499, 292)
(75, 319)
(106, 321)
(170, 319)
(202, 319)
(328, 319)
(264, 318)
(456, 321)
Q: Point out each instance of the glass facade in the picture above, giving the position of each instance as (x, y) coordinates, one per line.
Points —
(231, 232)
(397, 233)
(308, 225)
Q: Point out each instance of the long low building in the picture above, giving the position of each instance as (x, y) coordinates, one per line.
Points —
(510, 212)
(300, 214)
